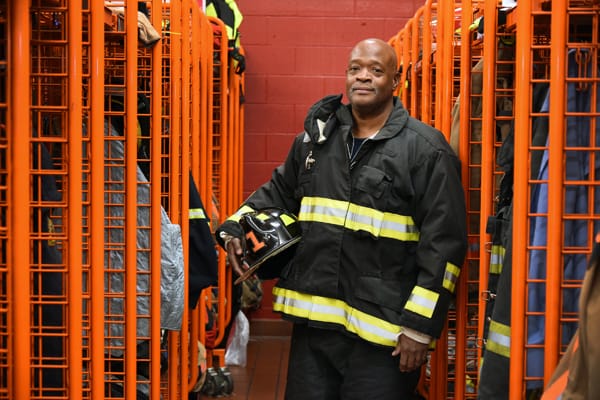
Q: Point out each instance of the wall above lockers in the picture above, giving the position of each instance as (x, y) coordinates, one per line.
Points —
(296, 53)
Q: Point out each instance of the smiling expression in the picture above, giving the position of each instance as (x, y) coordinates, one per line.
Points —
(372, 75)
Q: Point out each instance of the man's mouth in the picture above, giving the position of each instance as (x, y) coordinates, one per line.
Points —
(362, 90)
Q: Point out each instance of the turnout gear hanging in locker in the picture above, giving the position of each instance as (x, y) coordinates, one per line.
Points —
(228, 12)
(579, 199)
(494, 375)
(370, 214)
(495, 364)
(202, 251)
(171, 251)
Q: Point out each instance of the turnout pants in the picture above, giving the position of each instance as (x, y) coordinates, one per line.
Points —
(329, 365)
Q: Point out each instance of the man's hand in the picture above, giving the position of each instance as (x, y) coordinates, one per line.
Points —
(234, 255)
(412, 353)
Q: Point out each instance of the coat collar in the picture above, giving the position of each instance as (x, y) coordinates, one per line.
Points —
(328, 113)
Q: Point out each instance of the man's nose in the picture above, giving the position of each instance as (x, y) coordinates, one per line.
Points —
(363, 74)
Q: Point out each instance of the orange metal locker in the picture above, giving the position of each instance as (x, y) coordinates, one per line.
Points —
(545, 277)
(84, 211)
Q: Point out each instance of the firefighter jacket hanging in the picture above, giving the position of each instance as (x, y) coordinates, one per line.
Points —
(171, 253)
(229, 12)
(202, 253)
(495, 365)
(383, 234)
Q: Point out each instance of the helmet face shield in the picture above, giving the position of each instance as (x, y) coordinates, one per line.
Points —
(271, 236)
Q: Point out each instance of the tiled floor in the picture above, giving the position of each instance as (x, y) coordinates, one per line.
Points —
(263, 378)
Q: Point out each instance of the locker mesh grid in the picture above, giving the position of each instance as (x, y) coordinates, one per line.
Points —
(4, 194)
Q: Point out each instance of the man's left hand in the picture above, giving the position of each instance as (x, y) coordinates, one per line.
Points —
(412, 353)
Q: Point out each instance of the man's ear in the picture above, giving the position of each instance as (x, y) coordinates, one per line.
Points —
(396, 80)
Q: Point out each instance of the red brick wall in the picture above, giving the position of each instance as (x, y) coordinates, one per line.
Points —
(296, 53)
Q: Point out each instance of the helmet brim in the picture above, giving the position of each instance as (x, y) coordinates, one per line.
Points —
(260, 262)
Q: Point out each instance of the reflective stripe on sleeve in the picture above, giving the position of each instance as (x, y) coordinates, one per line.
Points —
(422, 301)
(498, 340)
(497, 259)
(323, 309)
(451, 277)
(196, 213)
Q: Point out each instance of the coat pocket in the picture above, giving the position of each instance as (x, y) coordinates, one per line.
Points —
(386, 293)
(373, 181)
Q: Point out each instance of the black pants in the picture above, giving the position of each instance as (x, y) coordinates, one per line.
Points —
(329, 365)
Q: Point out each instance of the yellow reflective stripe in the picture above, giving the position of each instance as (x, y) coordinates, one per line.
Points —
(286, 219)
(358, 218)
(451, 277)
(211, 11)
(497, 259)
(196, 213)
(323, 309)
(498, 340)
(381, 224)
(320, 209)
(470, 384)
(238, 214)
(422, 301)
(262, 217)
(51, 242)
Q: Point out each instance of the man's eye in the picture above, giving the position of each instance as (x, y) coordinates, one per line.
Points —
(353, 69)
(376, 70)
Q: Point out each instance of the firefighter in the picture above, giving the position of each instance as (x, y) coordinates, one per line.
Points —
(382, 216)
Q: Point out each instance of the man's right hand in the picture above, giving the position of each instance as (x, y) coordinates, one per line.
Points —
(234, 254)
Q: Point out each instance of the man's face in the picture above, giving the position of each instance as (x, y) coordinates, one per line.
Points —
(371, 76)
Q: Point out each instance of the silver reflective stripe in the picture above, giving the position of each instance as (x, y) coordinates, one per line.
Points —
(333, 213)
(381, 224)
(422, 301)
(497, 259)
(196, 213)
(323, 309)
(451, 277)
(499, 339)
(358, 218)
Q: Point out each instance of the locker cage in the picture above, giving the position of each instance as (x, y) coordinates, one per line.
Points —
(528, 152)
(102, 132)
(103, 129)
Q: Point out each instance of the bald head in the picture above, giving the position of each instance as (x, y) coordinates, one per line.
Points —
(371, 77)
(379, 47)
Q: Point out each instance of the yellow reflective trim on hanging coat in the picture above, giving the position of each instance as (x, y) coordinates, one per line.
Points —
(196, 213)
(497, 259)
(498, 340)
(451, 277)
